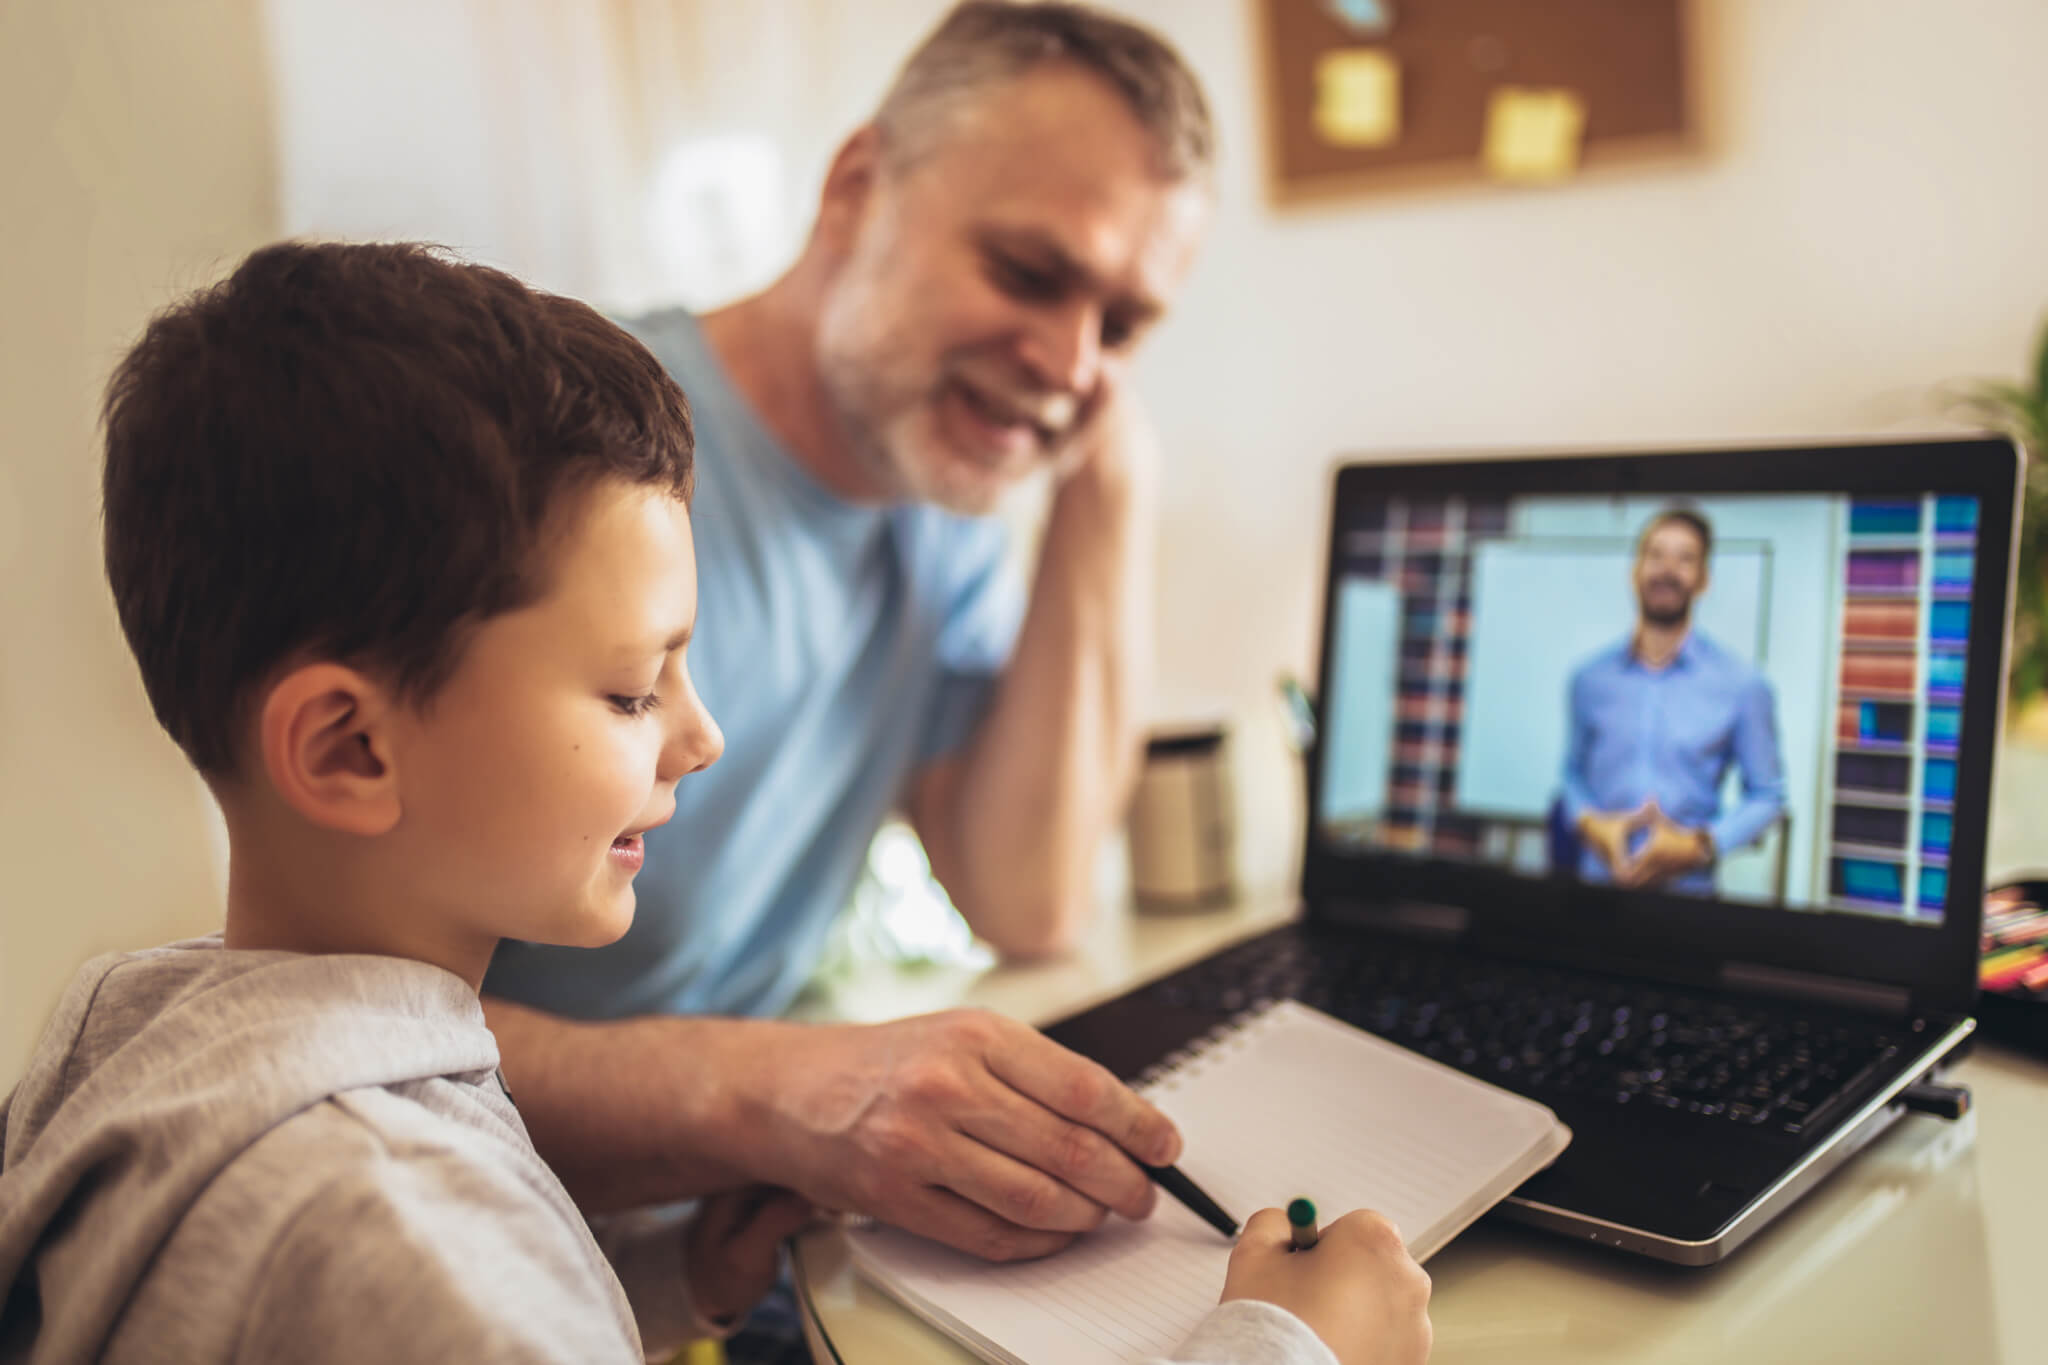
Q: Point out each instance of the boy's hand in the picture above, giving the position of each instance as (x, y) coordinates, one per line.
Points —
(731, 1246)
(1357, 1288)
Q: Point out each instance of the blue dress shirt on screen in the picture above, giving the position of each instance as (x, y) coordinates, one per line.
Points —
(1672, 734)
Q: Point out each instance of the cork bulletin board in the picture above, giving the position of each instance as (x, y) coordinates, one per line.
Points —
(1621, 71)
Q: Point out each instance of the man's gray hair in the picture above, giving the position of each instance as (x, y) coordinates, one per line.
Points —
(983, 44)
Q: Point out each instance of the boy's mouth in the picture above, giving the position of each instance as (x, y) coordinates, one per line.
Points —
(628, 850)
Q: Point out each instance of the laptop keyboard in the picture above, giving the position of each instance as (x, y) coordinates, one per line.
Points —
(1549, 1032)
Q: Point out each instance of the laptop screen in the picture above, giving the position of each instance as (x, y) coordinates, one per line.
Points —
(1740, 696)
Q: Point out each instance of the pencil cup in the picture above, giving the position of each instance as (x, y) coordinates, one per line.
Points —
(1182, 835)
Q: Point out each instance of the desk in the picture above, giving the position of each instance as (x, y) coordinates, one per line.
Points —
(1927, 1247)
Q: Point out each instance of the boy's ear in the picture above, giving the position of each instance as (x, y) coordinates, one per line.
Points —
(327, 747)
(849, 184)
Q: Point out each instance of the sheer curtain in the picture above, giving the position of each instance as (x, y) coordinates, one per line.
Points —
(631, 152)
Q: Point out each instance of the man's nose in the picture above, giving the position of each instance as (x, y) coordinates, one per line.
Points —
(1064, 347)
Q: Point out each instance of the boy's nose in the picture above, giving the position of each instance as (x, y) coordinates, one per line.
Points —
(711, 744)
(695, 743)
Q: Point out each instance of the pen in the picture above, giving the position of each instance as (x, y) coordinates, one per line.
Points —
(1189, 1193)
(1301, 1215)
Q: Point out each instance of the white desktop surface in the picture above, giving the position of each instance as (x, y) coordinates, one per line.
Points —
(1926, 1247)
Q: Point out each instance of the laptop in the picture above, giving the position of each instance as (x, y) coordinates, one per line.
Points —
(1654, 787)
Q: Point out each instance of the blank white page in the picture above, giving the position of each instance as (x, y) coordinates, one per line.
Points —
(1290, 1103)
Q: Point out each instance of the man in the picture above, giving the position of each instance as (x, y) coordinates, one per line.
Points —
(1656, 723)
(988, 252)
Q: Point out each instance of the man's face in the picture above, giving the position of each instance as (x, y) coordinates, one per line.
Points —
(1671, 571)
(990, 294)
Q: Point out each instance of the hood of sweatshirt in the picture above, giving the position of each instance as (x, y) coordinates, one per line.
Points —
(156, 1071)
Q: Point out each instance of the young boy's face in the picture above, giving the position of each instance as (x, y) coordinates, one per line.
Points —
(528, 780)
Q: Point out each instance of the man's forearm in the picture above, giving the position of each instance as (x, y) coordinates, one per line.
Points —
(964, 1126)
(630, 1112)
(1747, 822)
(1763, 773)
(1050, 771)
(1577, 795)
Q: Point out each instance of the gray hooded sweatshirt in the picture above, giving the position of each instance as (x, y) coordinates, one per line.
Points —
(229, 1155)
(223, 1155)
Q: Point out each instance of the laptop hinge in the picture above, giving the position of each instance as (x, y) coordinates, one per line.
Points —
(1419, 919)
(1834, 990)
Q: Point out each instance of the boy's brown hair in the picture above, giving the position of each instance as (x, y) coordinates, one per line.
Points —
(356, 452)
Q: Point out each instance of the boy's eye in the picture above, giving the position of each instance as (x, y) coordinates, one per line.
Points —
(635, 705)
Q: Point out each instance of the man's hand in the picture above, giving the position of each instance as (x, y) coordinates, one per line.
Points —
(1608, 833)
(965, 1127)
(1670, 851)
(1111, 435)
(1357, 1288)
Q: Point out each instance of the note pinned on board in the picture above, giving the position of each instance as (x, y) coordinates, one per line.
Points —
(1358, 97)
(1533, 135)
(1372, 17)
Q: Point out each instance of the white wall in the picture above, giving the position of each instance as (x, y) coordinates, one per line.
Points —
(136, 142)
(1871, 221)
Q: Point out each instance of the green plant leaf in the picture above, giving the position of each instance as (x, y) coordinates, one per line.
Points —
(2021, 411)
(1997, 398)
(2041, 371)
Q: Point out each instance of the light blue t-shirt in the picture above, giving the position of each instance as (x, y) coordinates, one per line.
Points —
(840, 647)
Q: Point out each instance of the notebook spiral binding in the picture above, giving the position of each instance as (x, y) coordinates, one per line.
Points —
(1185, 1059)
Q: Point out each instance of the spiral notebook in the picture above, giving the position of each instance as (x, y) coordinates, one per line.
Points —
(1284, 1101)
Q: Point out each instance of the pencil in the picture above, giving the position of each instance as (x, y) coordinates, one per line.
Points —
(1189, 1193)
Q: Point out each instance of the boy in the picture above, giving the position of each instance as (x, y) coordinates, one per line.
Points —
(403, 551)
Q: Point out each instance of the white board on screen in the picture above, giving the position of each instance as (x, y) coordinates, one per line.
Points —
(1359, 734)
(1540, 610)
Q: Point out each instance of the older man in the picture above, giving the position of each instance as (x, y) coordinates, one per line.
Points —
(988, 253)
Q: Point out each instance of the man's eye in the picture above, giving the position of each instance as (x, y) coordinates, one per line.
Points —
(636, 705)
(1024, 282)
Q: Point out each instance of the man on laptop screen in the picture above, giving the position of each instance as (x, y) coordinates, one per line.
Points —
(1657, 721)
(1788, 738)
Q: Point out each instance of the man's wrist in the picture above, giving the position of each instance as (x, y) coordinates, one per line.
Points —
(1104, 490)
(732, 1113)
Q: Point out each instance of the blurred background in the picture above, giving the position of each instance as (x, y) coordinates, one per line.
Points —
(1863, 224)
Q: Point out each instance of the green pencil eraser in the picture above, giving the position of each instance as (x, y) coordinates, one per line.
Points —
(1302, 1213)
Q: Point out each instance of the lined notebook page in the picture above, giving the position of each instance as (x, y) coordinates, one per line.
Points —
(1292, 1102)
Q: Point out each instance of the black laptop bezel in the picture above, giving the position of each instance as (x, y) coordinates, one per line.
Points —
(1684, 937)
